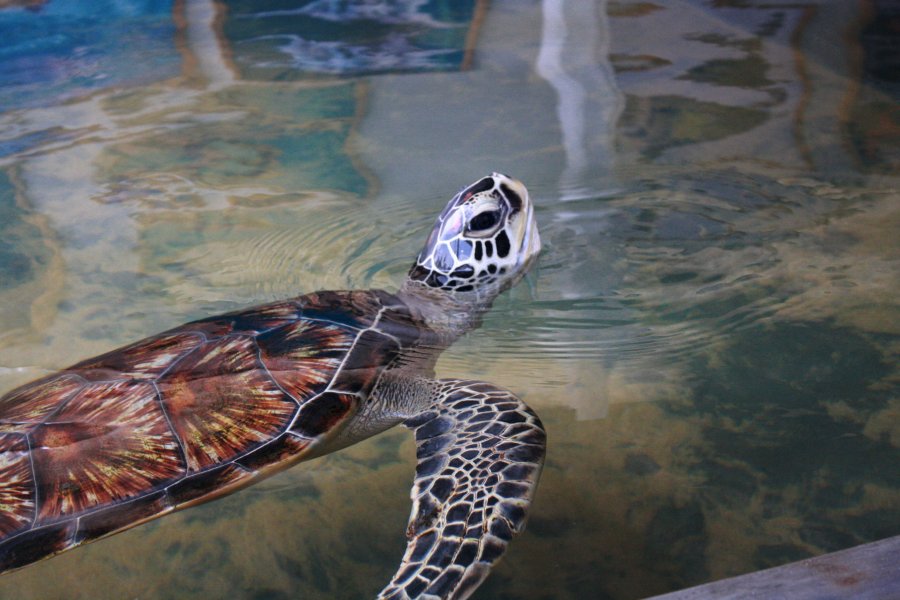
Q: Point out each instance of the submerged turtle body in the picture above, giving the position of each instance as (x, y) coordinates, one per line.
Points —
(206, 408)
(187, 415)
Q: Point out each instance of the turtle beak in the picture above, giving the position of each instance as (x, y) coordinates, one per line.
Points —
(531, 245)
(526, 230)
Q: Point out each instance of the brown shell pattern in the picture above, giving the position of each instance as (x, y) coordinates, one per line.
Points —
(17, 491)
(181, 417)
(109, 442)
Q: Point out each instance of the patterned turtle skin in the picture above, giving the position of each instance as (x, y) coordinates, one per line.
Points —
(214, 405)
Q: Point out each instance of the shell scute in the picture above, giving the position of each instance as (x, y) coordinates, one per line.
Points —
(24, 407)
(109, 443)
(196, 486)
(248, 321)
(400, 324)
(222, 403)
(282, 449)
(17, 490)
(322, 414)
(304, 356)
(356, 309)
(117, 517)
(142, 360)
(365, 362)
(36, 544)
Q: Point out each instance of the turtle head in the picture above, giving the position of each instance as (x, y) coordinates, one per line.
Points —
(484, 239)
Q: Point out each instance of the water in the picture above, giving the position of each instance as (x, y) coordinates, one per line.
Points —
(710, 335)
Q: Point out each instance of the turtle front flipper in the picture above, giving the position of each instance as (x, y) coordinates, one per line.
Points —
(480, 451)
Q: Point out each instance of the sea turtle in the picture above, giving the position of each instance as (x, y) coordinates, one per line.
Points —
(209, 407)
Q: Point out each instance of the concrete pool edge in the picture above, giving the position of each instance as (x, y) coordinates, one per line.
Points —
(869, 571)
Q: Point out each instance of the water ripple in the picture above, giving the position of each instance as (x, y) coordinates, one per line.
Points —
(337, 244)
(675, 266)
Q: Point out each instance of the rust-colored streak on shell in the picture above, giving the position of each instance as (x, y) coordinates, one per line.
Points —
(351, 308)
(248, 321)
(285, 448)
(110, 442)
(266, 317)
(212, 328)
(202, 486)
(143, 360)
(303, 357)
(16, 485)
(24, 407)
(36, 544)
(222, 403)
(123, 515)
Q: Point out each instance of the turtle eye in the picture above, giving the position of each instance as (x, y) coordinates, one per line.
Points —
(484, 221)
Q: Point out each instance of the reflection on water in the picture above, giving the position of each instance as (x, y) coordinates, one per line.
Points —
(78, 47)
(274, 40)
(710, 335)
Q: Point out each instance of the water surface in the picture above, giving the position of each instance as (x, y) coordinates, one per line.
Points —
(710, 336)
